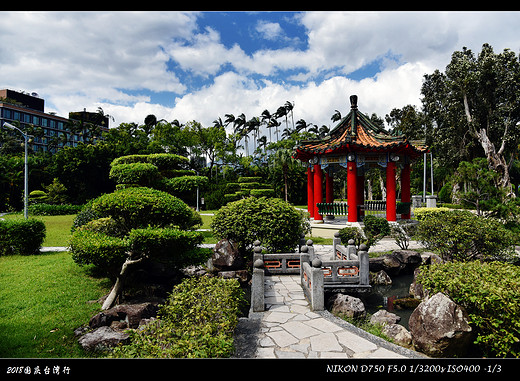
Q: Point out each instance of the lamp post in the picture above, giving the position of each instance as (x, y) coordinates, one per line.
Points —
(26, 176)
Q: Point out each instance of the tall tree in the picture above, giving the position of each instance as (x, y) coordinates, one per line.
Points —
(479, 97)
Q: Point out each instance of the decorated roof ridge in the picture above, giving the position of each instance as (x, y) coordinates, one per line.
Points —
(356, 131)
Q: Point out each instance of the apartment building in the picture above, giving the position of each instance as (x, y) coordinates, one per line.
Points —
(51, 132)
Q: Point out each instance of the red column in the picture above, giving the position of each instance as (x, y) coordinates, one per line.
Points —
(405, 188)
(329, 187)
(310, 191)
(352, 191)
(318, 191)
(390, 191)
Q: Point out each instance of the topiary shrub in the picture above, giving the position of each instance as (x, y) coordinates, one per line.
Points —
(274, 222)
(134, 225)
(145, 174)
(21, 236)
(139, 207)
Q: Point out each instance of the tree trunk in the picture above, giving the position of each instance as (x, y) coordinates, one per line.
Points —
(118, 286)
(496, 160)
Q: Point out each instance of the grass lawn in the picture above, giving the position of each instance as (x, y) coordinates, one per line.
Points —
(44, 298)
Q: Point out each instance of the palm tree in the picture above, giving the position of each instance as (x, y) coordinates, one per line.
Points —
(300, 125)
(253, 125)
(336, 116)
(289, 108)
(239, 125)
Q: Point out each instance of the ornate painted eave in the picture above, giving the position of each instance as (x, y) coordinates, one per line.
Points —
(356, 133)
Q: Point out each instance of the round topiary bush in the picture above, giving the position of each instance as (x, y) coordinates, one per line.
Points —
(139, 207)
(275, 223)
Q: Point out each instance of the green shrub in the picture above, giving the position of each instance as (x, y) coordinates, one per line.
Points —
(145, 174)
(162, 161)
(104, 225)
(489, 293)
(183, 184)
(262, 192)
(197, 321)
(351, 232)
(178, 247)
(21, 236)
(252, 179)
(37, 196)
(422, 213)
(141, 207)
(461, 235)
(43, 209)
(275, 223)
(106, 252)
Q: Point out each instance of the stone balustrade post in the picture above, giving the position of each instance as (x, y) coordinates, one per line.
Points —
(257, 286)
(317, 292)
(363, 265)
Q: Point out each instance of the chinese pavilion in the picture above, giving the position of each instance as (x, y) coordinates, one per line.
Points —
(357, 144)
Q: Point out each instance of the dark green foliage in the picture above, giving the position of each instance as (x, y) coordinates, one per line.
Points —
(104, 251)
(353, 233)
(44, 209)
(172, 245)
(197, 321)
(461, 235)
(144, 174)
(275, 223)
(140, 207)
(489, 293)
(21, 237)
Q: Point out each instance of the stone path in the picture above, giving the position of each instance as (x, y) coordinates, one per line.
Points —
(289, 329)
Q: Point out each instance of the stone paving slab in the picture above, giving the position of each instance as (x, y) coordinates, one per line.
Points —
(289, 329)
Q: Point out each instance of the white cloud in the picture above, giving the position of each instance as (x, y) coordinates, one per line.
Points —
(119, 60)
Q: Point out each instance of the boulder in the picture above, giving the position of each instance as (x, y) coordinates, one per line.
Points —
(384, 317)
(380, 278)
(129, 314)
(346, 305)
(102, 338)
(226, 256)
(440, 327)
(398, 263)
(398, 334)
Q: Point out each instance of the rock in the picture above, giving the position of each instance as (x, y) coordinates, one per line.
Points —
(416, 289)
(440, 327)
(241, 275)
(380, 278)
(226, 256)
(398, 334)
(384, 317)
(130, 314)
(397, 263)
(346, 305)
(102, 338)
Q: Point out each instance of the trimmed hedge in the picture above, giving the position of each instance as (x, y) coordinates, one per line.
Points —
(21, 236)
(489, 293)
(44, 209)
(139, 207)
(135, 173)
(197, 321)
(274, 222)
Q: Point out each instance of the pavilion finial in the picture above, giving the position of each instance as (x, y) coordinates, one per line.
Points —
(353, 101)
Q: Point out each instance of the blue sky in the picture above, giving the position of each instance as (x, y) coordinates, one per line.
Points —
(203, 65)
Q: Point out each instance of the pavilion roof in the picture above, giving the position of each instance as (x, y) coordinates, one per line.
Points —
(356, 133)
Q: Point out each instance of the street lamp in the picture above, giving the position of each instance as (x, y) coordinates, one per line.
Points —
(26, 176)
